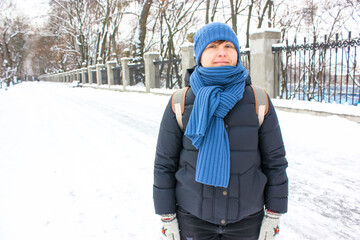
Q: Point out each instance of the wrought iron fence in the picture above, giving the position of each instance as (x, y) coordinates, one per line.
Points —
(93, 72)
(168, 73)
(137, 73)
(117, 74)
(324, 72)
(245, 58)
(86, 77)
(104, 76)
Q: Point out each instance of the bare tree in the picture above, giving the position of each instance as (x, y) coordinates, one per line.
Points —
(109, 15)
(70, 21)
(42, 58)
(286, 17)
(13, 32)
(326, 17)
(213, 9)
(139, 43)
(175, 19)
(250, 8)
(261, 11)
(207, 11)
(86, 30)
(236, 9)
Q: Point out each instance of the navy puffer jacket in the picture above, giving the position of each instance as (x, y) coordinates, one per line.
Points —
(257, 166)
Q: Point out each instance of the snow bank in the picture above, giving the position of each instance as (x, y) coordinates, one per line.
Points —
(77, 163)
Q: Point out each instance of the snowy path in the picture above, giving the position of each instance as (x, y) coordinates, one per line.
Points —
(77, 164)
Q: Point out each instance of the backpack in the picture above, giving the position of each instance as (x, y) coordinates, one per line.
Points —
(261, 104)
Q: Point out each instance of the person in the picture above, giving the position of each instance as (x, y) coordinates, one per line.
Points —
(223, 177)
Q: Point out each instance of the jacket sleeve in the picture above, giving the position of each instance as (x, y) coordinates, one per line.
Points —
(273, 162)
(167, 156)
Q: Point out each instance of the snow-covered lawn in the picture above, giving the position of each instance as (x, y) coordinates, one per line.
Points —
(77, 163)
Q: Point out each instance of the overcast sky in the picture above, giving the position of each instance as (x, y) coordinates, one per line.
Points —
(35, 9)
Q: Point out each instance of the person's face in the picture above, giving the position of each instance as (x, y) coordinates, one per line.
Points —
(219, 53)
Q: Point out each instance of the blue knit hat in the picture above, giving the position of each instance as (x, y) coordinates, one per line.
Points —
(210, 33)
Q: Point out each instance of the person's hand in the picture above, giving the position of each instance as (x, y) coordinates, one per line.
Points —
(170, 227)
(270, 225)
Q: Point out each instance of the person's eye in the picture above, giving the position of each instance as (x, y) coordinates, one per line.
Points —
(229, 46)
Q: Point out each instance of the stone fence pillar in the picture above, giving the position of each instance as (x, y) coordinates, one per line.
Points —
(110, 73)
(125, 71)
(66, 76)
(99, 66)
(78, 74)
(262, 60)
(150, 69)
(83, 77)
(187, 59)
(72, 75)
(90, 69)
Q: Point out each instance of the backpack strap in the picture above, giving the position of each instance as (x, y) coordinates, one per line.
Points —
(178, 105)
(261, 103)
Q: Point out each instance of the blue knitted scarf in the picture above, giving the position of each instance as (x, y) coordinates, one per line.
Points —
(217, 90)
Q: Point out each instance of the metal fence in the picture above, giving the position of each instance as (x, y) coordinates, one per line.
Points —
(168, 73)
(86, 80)
(245, 58)
(117, 73)
(324, 72)
(104, 76)
(137, 74)
(93, 72)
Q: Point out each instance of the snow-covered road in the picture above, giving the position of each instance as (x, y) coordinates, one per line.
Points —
(76, 163)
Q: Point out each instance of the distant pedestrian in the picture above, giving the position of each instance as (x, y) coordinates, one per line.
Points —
(224, 177)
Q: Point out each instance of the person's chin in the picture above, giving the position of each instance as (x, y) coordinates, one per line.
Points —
(221, 64)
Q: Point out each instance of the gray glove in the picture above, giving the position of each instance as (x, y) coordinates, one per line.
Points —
(170, 227)
(270, 225)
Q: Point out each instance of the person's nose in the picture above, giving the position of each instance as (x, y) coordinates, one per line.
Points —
(222, 52)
